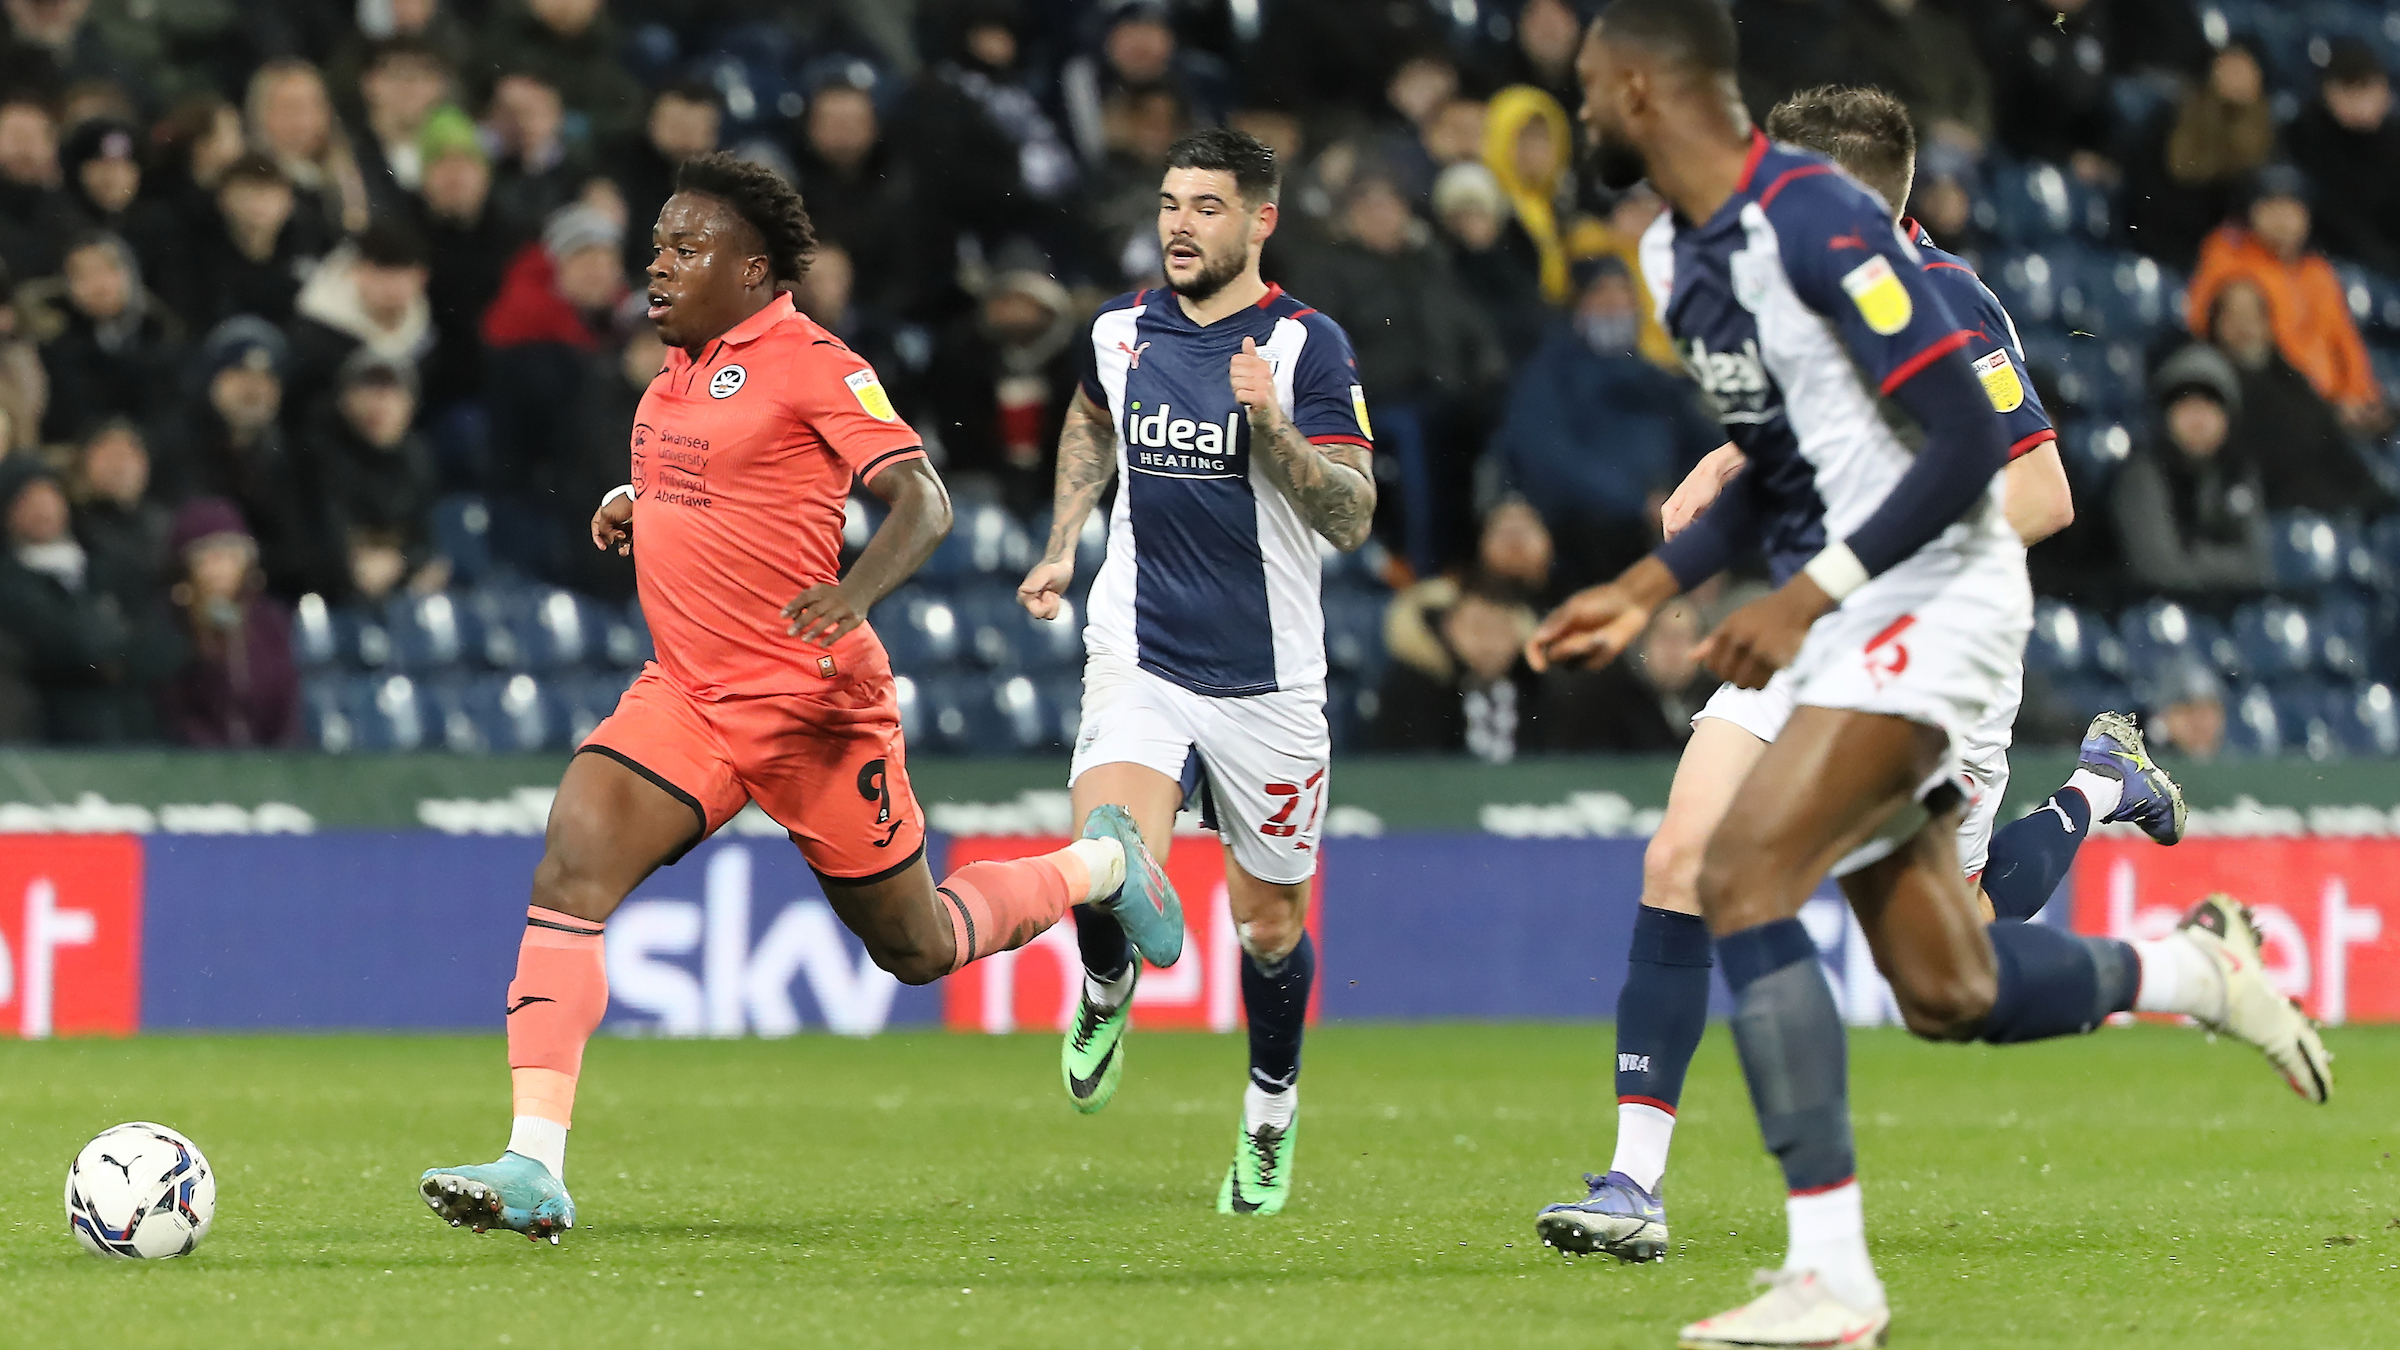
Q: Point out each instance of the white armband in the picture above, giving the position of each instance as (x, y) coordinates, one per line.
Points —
(624, 490)
(1837, 572)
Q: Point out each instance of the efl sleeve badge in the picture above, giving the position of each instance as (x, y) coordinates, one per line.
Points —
(2001, 383)
(1881, 298)
(1358, 405)
(869, 392)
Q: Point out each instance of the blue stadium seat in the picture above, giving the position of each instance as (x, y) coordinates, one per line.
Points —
(2089, 695)
(1010, 719)
(984, 541)
(2068, 641)
(462, 532)
(2300, 711)
(315, 640)
(2252, 727)
(947, 710)
(1354, 631)
(627, 639)
(2037, 202)
(2276, 639)
(2128, 295)
(992, 624)
(1062, 699)
(2345, 638)
(325, 717)
(2159, 632)
(431, 632)
(2308, 550)
(1048, 646)
(387, 713)
(2028, 284)
(512, 713)
(2093, 452)
(920, 630)
(574, 704)
(2365, 719)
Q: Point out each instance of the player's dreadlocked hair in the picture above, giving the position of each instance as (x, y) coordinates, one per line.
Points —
(1866, 131)
(758, 195)
(1256, 175)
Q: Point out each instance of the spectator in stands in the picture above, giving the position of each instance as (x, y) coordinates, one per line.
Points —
(238, 685)
(1641, 703)
(465, 252)
(2309, 461)
(1788, 46)
(194, 144)
(34, 213)
(2313, 327)
(2348, 143)
(1457, 680)
(117, 350)
(233, 446)
(1496, 260)
(1453, 134)
(1000, 382)
(1137, 48)
(574, 44)
(1329, 57)
(1514, 551)
(403, 84)
(2187, 710)
(684, 123)
(1121, 196)
(1420, 337)
(430, 23)
(2190, 508)
(863, 195)
(291, 121)
(1943, 201)
(1421, 88)
(536, 171)
(24, 385)
(1548, 33)
(2191, 167)
(91, 662)
(369, 293)
(1526, 145)
(552, 313)
(116, 519)
(378, 475)
(104, 186)
(1925, 57)
(603, 416)
(253, 261)
(2051, 65)
(1595, 436)
(980, 99)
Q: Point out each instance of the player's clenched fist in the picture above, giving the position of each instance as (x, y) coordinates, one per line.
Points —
(1590, 629)
(612, 524)
(1254, 380)
(1039, 592)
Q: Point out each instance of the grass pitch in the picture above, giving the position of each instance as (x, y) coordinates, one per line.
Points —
(2141, 1187)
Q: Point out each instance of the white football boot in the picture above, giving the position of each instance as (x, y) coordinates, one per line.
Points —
(2254, 1010)
(1796, 1311)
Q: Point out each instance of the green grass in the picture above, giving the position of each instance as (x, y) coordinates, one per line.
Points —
(2141, 1187)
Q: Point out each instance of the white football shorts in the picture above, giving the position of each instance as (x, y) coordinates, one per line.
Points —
(1258, 763)
(1937, 640)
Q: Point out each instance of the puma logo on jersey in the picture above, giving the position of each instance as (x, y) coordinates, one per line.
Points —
(1133, 355)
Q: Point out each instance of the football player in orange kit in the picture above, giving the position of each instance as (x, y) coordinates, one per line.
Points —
(769, 686)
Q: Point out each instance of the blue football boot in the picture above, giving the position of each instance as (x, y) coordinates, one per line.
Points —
(1618, 1217)
(1146, 905)
(515, 1193)
(2112, 748)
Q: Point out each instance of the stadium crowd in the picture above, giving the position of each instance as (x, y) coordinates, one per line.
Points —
(320, 336)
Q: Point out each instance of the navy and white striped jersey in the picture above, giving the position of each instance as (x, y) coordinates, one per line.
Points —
(1994, 351)
(1212, 576)
(1799, 308)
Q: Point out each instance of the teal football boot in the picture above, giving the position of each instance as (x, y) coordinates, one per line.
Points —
(515, 1193)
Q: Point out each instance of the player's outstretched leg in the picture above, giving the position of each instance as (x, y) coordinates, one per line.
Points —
(609, 827)
(2244, 1003)
(2114, 780)
(1663, 1007)
(1279, 968)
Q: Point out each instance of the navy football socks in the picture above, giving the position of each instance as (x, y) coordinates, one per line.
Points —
(2031, 856)
(1106, 950)
(1795, 1054)
(2054, 983)
(1663, 1008)
(1276, 1002)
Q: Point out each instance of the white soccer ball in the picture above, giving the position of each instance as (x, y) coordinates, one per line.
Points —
(140, 1190)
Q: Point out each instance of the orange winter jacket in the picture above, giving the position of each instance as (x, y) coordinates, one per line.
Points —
(2304, 300)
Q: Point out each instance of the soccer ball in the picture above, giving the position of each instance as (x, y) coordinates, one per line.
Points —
(140, 1190)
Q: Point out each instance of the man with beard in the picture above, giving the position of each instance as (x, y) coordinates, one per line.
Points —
(1234, 413)
(1900, 611)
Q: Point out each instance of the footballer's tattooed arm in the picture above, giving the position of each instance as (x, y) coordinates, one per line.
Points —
(1333, 485)
(1087, 459)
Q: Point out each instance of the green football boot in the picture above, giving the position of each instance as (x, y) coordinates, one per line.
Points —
(1260, 1179)
(515, 1193)
(1092, 1057)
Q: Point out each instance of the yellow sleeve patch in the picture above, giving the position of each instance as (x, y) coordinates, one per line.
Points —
(1881, 298)
(1358, 405)
(2001, 383)
(868, 390)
